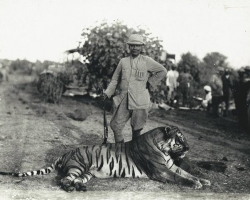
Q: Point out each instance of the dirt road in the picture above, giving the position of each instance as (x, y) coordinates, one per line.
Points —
(33, 133)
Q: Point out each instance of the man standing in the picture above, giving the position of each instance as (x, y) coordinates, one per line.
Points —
(132, 74)
(172, 84)
(242, 97)
(217, 92)
(185, 79)
(227, 86)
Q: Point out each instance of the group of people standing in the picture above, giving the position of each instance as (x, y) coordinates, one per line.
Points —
(219, 89)
(178, 84)
(222, 87)
(242, 97)
(137, 73)
(226, 87)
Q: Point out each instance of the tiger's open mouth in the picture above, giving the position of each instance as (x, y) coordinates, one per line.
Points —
(178, 154)
(182, 155)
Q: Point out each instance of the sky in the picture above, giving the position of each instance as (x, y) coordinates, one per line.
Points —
(44, 29)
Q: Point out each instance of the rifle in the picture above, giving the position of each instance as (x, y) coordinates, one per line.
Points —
(105, 124)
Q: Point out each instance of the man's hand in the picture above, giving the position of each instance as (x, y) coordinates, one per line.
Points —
(104, 96)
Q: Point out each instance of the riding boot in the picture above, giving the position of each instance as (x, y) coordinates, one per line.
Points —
(136, 134)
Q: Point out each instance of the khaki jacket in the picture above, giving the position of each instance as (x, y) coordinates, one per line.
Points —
(133, 79)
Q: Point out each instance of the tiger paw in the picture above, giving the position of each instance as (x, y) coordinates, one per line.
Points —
(197, 185)
(69, 189)
(80, 187)
(205, 182)
(66, 185)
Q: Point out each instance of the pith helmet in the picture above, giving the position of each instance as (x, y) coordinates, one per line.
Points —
(135, 39)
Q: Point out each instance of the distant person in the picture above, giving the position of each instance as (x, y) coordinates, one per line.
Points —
(217, 90)
(242, 97)
(4, 73)
(207, 101)
(185, 79)
(172, 84)
(133, 76)
(227, 89)
(1, 77)
(237, 87)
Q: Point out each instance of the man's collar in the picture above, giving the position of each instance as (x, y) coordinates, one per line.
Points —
(135, 57)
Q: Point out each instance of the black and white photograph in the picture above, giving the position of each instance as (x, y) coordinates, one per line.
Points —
(124, 99)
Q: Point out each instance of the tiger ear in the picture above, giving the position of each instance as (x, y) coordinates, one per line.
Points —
(167, 130)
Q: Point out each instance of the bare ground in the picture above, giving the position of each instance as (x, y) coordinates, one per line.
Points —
(33, 133)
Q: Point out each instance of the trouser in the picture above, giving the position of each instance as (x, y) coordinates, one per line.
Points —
(185, 98)
(185, 92)
(226, 100)
(171, 94)
(242, 112)
(122, 114)
(216, 100)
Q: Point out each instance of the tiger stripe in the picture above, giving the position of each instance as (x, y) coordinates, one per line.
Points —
(149, 155)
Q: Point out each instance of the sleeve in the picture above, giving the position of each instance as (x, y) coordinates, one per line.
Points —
(114, 81)
(177, 79)
(177, 75)
(213, 82)
(159, 72)
(167, 79)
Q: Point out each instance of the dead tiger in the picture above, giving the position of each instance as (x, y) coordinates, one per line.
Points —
(150, 155)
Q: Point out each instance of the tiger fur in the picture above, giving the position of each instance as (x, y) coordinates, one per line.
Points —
(150, 155)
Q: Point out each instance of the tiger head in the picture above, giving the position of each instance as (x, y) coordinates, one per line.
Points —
(171, 141)
(174, 142)
(153, 149)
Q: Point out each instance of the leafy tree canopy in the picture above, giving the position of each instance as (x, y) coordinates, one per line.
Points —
(105, 44)
(191, 63)
(215, 59)
(21, 66)
(210, 63)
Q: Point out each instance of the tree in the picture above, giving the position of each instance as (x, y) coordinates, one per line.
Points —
(215, 59)
(210, 63)
(191, 62)
(104, 45)
(21, 66)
